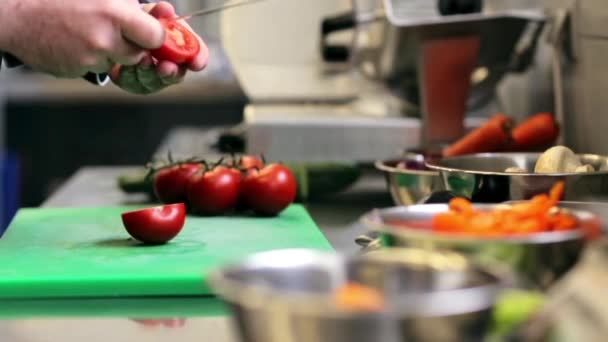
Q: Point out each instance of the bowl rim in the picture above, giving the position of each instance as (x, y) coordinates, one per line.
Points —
(382, 165)
(370, 220)
(438, 167)
(256, 296)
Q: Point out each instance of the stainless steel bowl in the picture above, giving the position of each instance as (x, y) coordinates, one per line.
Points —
(481, 178)
(411, 183)
(534, 261)
(287, 296)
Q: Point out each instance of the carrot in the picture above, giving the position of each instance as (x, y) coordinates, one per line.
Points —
(462, 205)
(492, 136)
(357, 297)
(557, 192)
(562, 221)
(527, 217)
(449, 222)
(536, 133)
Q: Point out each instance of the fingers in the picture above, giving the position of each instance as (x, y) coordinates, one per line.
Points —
(162, 9)
(141, 29)
(202, 59)
(126, 53)
(166, 69)
(173, 78)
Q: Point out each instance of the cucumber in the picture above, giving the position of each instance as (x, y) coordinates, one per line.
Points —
(136, 182)
(320, 179)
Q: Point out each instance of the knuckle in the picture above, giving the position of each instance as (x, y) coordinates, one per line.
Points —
(112, 8)
(100, 43)
(88, 61)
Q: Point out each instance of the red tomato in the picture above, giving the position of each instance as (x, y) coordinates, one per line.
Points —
(251, 162)
(170, 184)
(181, 45)
(214, 192)
(270, 190)
(155, 225)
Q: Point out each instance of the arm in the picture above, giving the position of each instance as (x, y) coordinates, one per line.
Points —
(100, 79)
(105, 38)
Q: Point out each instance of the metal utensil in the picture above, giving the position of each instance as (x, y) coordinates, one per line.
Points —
(535, 261)
(206, 11)
(287, 296)
(482, 178)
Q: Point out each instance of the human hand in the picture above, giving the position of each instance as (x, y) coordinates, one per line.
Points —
(69, 38)
(150, 75)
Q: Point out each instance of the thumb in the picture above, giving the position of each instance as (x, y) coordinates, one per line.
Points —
(142, 29)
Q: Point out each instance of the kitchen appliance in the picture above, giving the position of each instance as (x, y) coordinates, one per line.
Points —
(56, 253)
(420, 66)
(217, 9)
(579, 41)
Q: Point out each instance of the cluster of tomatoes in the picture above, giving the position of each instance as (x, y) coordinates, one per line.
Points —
(246, 184)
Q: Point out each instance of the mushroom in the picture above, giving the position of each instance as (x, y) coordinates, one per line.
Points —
(558, 159)
(584, 168)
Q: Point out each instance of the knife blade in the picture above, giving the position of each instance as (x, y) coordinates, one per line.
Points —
(225, 6)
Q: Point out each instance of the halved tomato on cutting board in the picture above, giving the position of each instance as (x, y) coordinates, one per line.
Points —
(156, 225)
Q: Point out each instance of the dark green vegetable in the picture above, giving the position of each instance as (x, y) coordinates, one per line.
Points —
(315, 180)
(136, 182)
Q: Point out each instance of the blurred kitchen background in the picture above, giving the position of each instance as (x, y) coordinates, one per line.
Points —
(265, 65)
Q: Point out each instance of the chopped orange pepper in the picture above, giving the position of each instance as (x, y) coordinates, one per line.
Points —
(563, 221)
(357, 297)
(450, 222)
(461, 205)
(557, 192)
(532, 216)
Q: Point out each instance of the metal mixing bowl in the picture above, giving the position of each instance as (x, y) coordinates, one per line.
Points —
(411, 183)
(287, 296)
(534, 261)
(481, 178)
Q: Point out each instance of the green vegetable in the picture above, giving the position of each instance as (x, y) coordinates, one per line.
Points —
(315, 180)
(513, 308)
(136, 182)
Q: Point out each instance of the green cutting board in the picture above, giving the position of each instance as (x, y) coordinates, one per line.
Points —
(85, 252)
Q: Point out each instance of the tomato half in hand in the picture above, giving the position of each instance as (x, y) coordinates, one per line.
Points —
(270, 190)
(157, 225)
(181, 44)
(170, 184)
(214, 192)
